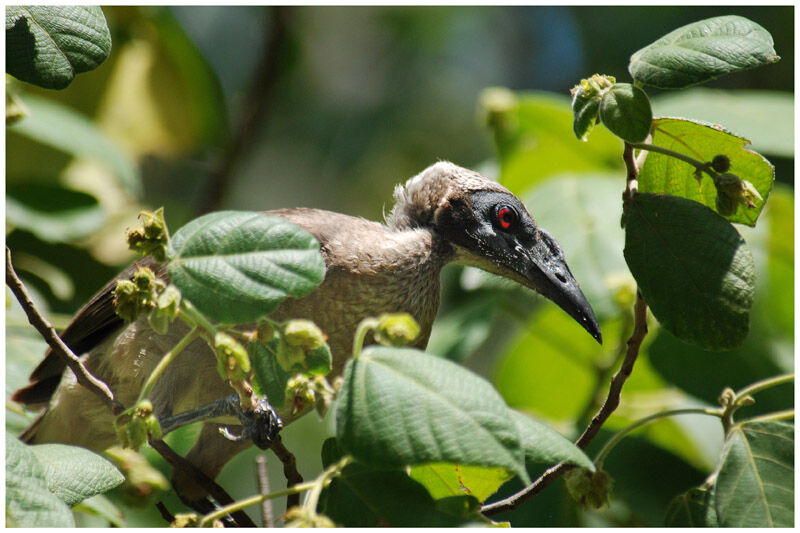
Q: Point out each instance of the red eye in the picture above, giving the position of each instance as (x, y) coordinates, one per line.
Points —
(506, 217)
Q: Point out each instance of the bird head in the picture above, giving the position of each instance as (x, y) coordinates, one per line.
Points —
(488, 227)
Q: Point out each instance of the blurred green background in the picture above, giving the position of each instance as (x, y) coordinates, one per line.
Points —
(254, 108)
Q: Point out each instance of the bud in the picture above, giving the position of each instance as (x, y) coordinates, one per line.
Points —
(141, 479)
(185, 520)
(731, 191)
(721, 163)
(126, 300)
(233, 363)
(167, 307)
(302, 517)
(589, 488)
(300, 393)
(396, 329)
(304, 334)
(152, 238)
(586, 97)
(264, 332)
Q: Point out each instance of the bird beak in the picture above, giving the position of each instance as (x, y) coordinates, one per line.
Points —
(548, 274)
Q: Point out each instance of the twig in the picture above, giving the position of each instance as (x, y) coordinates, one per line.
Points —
(165, 514)
(611, 403)
(293, 477)
(254, 110)
(267, 519)
(632, 181)
(46, 330)
(217, 492)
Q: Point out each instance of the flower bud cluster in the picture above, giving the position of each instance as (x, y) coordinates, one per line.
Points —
(152, 238)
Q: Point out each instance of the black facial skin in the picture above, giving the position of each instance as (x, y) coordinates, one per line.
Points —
(521, 251)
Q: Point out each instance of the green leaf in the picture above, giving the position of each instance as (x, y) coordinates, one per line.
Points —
(625, 110)
(73, 473)
(237, 266)
(663, 174)
(755, 484)
(694, 270)
(28, 501)
(399, 406)
(702, 51)
(585, 109)
(49, 45)
(53, 213)
(545, 445)
(694, 508)
(445, 480)
(535, 141)
(761, 116)
(363, 497)
(62, 128)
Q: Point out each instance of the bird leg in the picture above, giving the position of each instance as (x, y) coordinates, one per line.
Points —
(261, 425)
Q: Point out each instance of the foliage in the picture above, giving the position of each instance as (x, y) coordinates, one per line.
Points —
(420, 440)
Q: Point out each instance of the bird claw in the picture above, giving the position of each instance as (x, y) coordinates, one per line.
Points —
(261, 425)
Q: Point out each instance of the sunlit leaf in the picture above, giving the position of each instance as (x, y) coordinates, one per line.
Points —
(625, 110)
(702, 51)
(663, 174)
(764, 117)
(443, 479)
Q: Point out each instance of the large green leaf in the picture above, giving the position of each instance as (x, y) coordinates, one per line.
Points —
(399, 406)
(694, 508)
(702, 51)
(665, 174)
(62, 128)
(535, 140)
(625, 110)
(764, 117)
(28, 501)
(49, 45)
(755, 483)
(74, 474)
(53, 213)
(694, 270)
(237, 266)
(768, 349)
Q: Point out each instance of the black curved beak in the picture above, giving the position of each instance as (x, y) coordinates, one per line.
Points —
(548, 274)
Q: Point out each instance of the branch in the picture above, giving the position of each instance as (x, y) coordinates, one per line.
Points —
(254, 110)
(293, 477)
(267, 520)
(46, 330)
(611, 403)
(217, 492)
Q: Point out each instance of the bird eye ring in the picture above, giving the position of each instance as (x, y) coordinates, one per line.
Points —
(506, 217)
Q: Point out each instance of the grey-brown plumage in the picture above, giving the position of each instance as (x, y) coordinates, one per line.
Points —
(445, 214)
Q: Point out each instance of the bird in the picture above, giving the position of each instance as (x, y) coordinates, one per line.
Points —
(445, 214)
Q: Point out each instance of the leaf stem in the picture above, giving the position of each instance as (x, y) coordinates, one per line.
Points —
(363, 328)
(699, 165)
(759, 386)
(253, 500)
(770, 417)
(613, 441)
(165, 361)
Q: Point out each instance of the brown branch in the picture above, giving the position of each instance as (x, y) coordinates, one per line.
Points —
(267, 520)
(46, 330)
(197, 475)
(611, 403)
(254, 109)
(632, 182)
(164, 512)
(293, 477)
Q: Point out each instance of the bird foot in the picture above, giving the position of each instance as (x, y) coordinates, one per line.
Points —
(261, 425)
